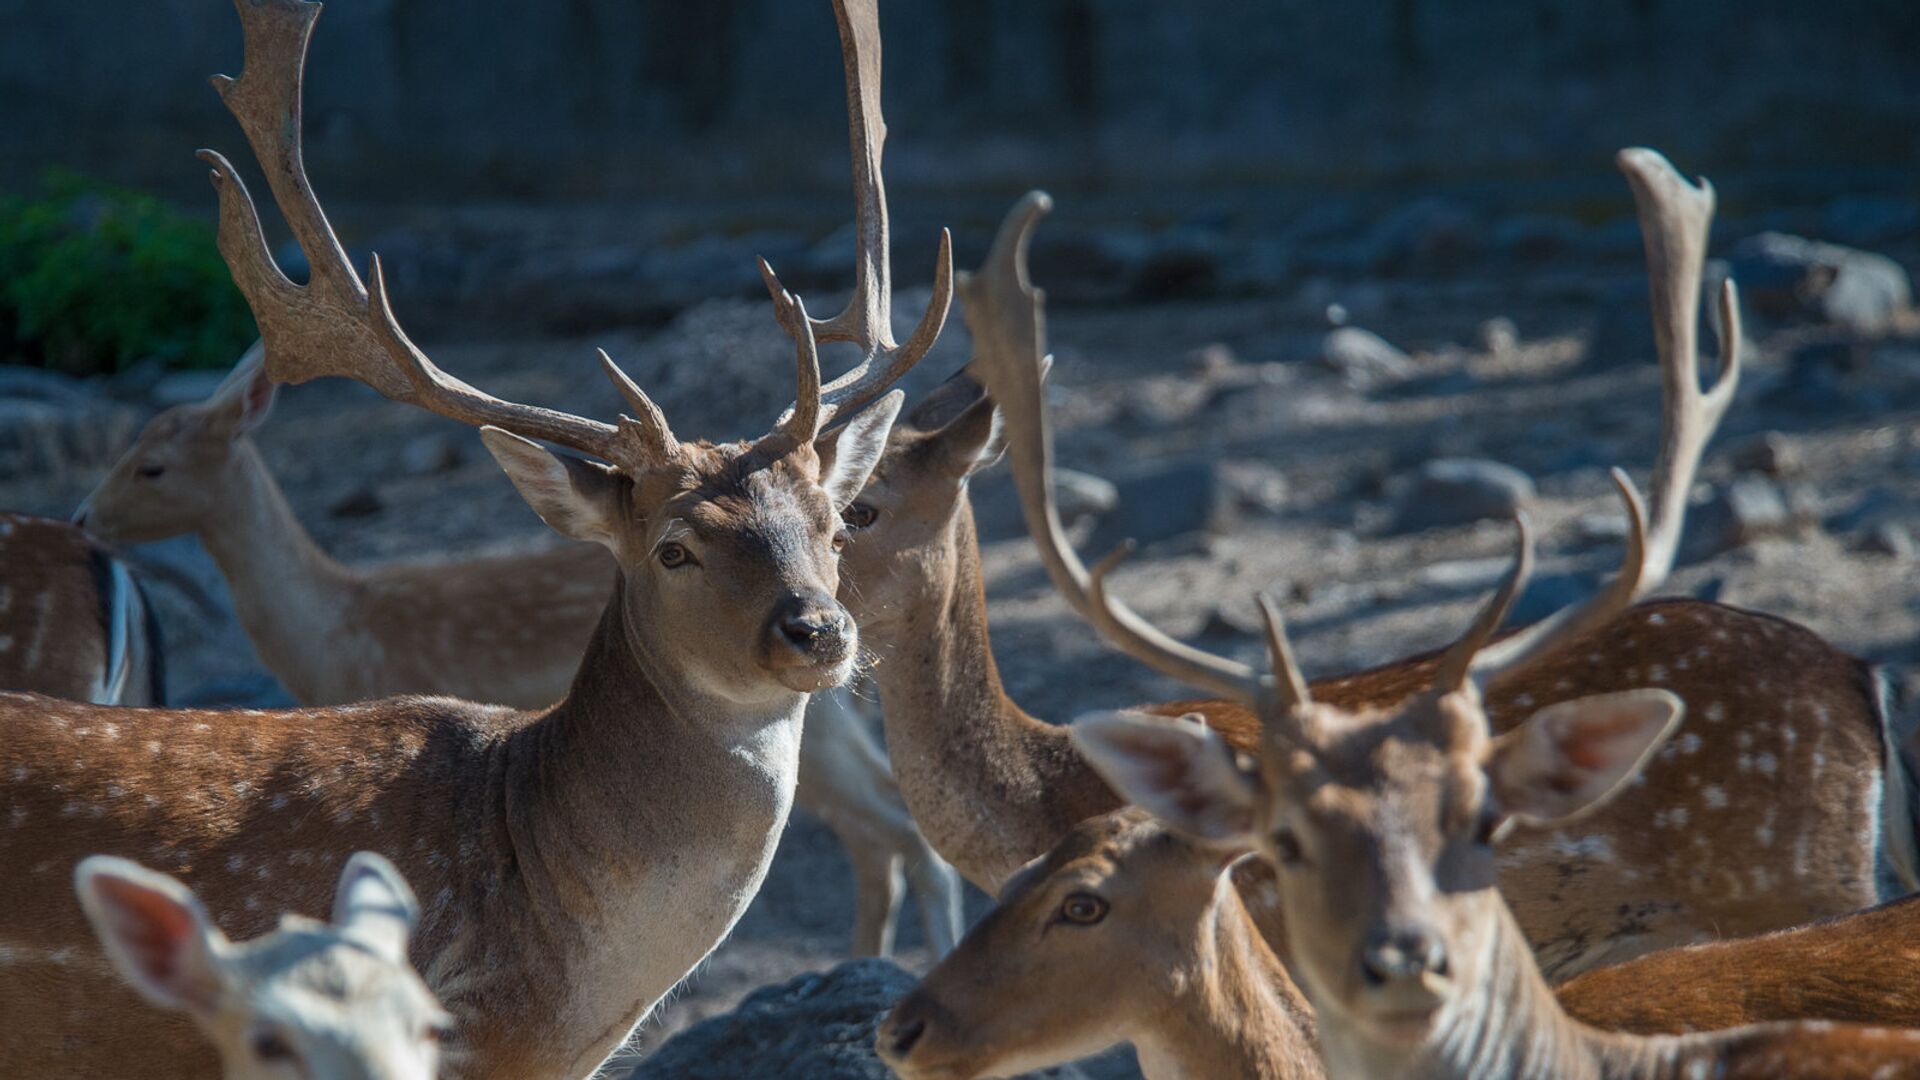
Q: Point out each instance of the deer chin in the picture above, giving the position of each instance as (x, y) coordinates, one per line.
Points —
(815, 676)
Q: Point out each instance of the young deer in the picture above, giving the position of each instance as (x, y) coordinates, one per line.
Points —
(574, 862)
(1381, 820)
(1149, 917)
(1781, 719)
(74, 623)
(310, 999)
(505, 629)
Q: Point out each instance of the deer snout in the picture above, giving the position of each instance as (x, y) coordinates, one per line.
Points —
(1407, 953)
(904, 1029)
(811, 632)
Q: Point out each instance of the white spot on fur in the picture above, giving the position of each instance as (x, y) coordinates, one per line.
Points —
(1763, 835)
(16, 817)
(1767, 764)
(278, 802)
(236, 863)
(1688, 742)
(1657, 674)
(1716, 712)
(1716, 797)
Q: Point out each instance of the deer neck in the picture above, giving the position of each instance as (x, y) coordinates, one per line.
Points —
(990, 786)
(642, 816)
(1513, 1029)
(1237, 1013)
(288, 594)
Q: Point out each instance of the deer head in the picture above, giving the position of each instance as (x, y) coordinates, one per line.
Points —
(1121, 892)
(900, 527)
(728, 552)
(320, 1001)
(181, 467)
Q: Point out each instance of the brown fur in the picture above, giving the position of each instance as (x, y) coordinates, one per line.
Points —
(1863, 968)
(55, 615)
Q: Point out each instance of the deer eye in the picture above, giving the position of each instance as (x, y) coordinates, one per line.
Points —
(152, 471)
(673, 555)
(271, 1046)
(1286, 848)
(1082, 909)
(840, 539)
(859, 515)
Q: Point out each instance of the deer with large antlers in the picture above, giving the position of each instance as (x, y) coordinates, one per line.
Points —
(1780, 718)
(503, 629)
(574, 862)
(322, 1001)
(1381, 819)
(74, 621)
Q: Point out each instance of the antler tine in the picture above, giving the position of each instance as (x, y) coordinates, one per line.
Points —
(1458, 661)
(442, 393)
(867, 319)
(1547, 636)
(801, 423)
(1289, 685)
(1674, 219)
(333, 325)
(1007, 317)
(648, 425)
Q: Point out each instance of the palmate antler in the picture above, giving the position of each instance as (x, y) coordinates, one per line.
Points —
(334, 325)
(867, 320)
(1007, 318)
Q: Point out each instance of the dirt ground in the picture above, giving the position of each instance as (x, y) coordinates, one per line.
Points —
(1307, 468)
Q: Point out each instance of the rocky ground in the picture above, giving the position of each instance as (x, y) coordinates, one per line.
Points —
(1249, 443)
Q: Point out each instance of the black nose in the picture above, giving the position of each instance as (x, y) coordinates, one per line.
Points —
(1405, 952)
(810, 622)
(903, 1037)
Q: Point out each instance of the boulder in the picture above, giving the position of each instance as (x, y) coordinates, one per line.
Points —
(819, 1026)
(1459, 491)
(50, 424)
(1364, 359)
(1750, 508)
(1791, 279)
(1162, 502)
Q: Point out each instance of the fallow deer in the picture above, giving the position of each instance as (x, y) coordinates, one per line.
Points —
(321, 1001)
(1781, 719)
(74, 621)
(1126, 932)
(1381, 819)
(575, 862)
(503, 629)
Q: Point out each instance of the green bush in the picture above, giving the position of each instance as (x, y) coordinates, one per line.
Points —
(94, 278)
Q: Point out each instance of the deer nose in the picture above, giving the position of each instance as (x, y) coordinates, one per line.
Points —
(1399, 953)
(898, 1040)
(813, 624)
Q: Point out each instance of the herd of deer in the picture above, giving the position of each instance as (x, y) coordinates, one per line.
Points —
(1593, 847)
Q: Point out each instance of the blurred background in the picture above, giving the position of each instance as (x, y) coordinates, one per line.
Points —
(1302, 252)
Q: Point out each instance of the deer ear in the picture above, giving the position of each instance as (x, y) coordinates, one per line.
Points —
(245, 397)
(1568, 758)
(374, 905)
(154, 932)
(1179, 770)
(579, 499)
(849, 452)
(960, 426)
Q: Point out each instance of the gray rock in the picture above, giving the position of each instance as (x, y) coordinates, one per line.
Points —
(1768, 452)
(1751, 507)
(1364, 359)
(1498, 335)
(1083, 495)
(361, 501)
(1791, 279)
(1457, 491)
(184, 387)
(819, 1026)
(430, 454)
(52, 427)
(1889, 538)
(1162, 502)
(1427, 234)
